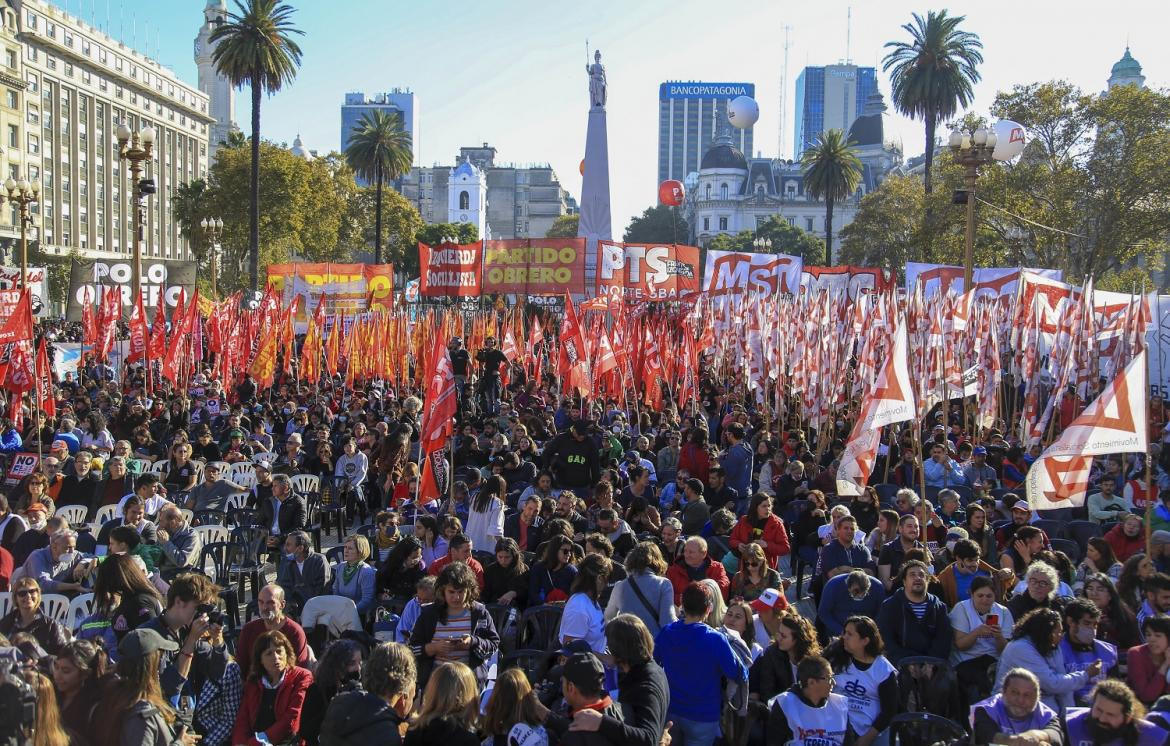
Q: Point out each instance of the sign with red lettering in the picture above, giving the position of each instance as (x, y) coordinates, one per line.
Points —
(542, 266)
(855, 280)
(731, 272)
(647, 272)
(22, 465)
(450, 270)
(990, 282)
(10, 291)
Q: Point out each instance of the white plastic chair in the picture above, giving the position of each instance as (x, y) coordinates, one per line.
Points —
(80, 608)
(235, 501)
(240, 468)
(73, 514)
(188, 515)
(303, 484)
(56, 607)
(139, 465)
(160, 466)
(245, 479)
(210, 534)
(106, 513)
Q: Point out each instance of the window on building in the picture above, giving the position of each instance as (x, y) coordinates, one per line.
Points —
(723, 191)
(708, 191)
(723, 223)
(464, 201)
(34, 144)
(10, 57)
(13, 136)
(808, 222)
(791, 221)
(31, 20)
(706, 224)
(11, 99)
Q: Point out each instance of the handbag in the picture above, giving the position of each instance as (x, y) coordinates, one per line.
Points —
(645, 602)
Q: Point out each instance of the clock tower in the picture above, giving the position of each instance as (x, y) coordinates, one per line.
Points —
(219, 90)
(466, 191)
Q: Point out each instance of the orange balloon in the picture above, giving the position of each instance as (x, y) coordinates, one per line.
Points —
(670, 192)
(582, 167)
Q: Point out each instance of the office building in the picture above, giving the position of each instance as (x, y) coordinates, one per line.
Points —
(689, 113)
(79, 86)
(400, 101)
(220, 92)
(503, 200)
(829, 97)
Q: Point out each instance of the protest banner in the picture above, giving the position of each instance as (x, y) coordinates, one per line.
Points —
(647, 272)
(990, 282)
(733, 272)
(1158, 341)
(10, 291)
(855, 280)
(22, 465)
(161, 278)
(522, 266)
(347, 288)
(450, 270)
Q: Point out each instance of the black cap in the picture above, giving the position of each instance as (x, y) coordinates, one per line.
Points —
(576, 646)
(584, 671)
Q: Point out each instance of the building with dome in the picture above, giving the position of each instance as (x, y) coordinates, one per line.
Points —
(503, 200)
(1126, 71)
(299, 150)
(732, 192)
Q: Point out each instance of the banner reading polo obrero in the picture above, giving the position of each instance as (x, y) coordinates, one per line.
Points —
(348, 289)
(160, 278)
(646, 272)
(1114, 423)
(857, 280)
(543, 266)
(450, 270)
(990, 282)
(734, 272)
(10, 291)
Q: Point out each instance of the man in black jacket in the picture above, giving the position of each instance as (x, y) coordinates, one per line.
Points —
(361, 718)
(80, 483)
(285, 512)
(573, 459)
(583, 684)
(525, 525)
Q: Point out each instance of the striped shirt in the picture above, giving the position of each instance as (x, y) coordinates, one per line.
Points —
(456, 627)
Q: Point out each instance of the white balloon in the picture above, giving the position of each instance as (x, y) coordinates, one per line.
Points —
(1010, 138)
(743, 112)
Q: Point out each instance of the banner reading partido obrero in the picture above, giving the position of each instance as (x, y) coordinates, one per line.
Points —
(161, 278)
(647, 272)
(545, 266)
(348, 289)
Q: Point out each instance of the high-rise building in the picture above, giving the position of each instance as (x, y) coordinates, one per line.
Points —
(829, 97)
(220, 92)
(399, 101)
(79, 85)
(688, 114)
(503, 200)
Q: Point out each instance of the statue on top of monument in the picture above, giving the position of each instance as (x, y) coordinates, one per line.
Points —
(596, 81)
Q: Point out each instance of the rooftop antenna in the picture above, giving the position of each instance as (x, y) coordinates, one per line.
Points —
(848, 33)
(783, 92)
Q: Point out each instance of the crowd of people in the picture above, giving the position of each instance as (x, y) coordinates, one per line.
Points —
(249, 566)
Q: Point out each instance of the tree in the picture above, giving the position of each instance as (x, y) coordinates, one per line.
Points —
(188, 208)
(379, 149)
(786, 238)
(832, 172)
(741, 241)
(255, 47)
(933, 75)
(433, 234)
(235, 139)
(659, 224)
(564, 226)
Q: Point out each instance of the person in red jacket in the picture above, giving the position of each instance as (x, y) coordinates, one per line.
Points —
(693, 457)
(6, 568)
(1127, 537)
(761, 526)
(278, 716)
(695, 565)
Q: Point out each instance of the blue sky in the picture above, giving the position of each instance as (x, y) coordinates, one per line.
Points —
(511, 72)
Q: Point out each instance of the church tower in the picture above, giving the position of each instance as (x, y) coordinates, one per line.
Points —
(466, 191)
(217, 87)
(1127, 71)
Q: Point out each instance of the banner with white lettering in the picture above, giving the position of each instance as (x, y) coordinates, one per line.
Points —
(856, 280)
(646, 272)
(10, 291)
(990, 282)
(732, 272)
(160, 278)
(450, 270)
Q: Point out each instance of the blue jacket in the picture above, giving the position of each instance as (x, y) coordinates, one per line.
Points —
(10, 441)
(695, 659)
(737, 462)
(360, 587)
(837, 605)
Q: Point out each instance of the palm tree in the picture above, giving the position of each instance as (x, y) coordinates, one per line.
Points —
(832, 171)
(934, 73)
(379, 149)
(235, 139)
(255, 47)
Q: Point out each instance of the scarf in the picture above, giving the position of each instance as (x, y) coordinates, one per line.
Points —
(349, 571)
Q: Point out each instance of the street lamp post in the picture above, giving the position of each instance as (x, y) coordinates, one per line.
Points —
(763, 244)
(24, 194)
(971, 151)
(136, 147)
(213, 228)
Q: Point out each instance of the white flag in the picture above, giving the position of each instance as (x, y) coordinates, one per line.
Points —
(1114, 423)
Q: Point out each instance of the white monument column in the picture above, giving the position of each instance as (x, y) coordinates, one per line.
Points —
(595, 221)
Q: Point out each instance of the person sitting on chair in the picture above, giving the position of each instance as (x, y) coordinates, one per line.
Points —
(811, 705)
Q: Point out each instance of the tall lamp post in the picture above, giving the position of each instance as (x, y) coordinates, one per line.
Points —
(24, 194)
(213, 228)
(971, 151)
(763, 244)
(136, 147)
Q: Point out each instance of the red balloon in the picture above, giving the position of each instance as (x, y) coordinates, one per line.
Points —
(581, 168)
(670, 193)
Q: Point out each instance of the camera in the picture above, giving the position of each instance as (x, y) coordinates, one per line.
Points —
(18, 701)
(214, 615)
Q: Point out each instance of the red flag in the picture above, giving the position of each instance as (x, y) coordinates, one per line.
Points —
(158, 332)
(18, 326)
(88, 322)
(180, 328)
(138, 332)
(48, 402)
(107, 321)
(574, 358)
(438, 420)
(20, 369)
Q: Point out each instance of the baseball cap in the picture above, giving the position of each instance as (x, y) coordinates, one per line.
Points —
(37, 506)
(262, 464)
(1022, 505)
(139, 643)
(1160, 538)
(768, 600)
(956, 533)
(237, 433)
(59, 444)
(574, 647)
(633, 455)
(584, 671)
(979, 451)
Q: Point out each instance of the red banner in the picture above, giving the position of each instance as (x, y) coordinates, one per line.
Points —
(450, 269)
(545, 266)
(644, 272)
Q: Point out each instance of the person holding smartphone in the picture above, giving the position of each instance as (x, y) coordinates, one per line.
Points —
(982, 628)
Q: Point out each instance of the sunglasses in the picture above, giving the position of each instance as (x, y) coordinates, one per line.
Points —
(27, 592)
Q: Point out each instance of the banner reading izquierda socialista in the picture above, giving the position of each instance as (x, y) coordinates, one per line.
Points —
(162, 279)
(450, 270)
(534, 266)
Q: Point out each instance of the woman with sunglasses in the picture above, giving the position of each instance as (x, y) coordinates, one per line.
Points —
(553, 574)
(811, 705)
(26, 616)
(754, 576)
